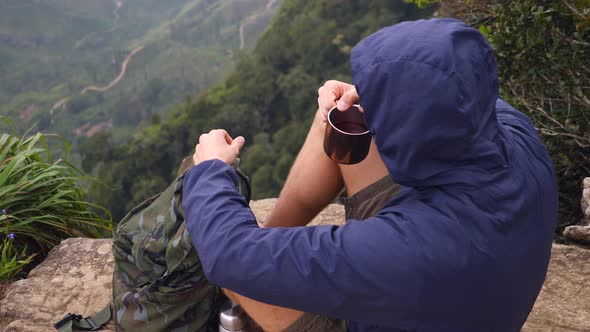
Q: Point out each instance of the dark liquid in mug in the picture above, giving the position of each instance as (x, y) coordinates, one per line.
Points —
(351, 127)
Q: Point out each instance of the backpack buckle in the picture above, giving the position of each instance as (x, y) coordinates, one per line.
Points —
(67, 318)
(84, 323)
(90, 322)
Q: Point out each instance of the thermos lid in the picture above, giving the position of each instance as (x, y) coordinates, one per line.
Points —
(232, 317)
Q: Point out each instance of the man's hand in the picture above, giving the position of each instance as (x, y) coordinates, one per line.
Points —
(217, 144)
(335, 93)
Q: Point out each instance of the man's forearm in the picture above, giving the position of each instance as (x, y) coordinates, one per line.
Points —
(313, 182)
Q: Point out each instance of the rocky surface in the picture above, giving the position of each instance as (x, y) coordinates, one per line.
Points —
(581, 233)
(333, 214)
(577, 234)
(586, 199)
(76, 277)
(564, 302)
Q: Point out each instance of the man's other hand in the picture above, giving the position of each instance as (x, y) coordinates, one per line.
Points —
(217, 144)
(335, 93)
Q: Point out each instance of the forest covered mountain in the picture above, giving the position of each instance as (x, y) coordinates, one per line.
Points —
(180, 46)
(81, 67)
(269, 98)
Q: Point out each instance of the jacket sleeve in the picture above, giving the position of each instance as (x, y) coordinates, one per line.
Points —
(363, 271)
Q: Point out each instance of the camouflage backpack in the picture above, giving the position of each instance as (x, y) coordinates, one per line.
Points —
(158, 281)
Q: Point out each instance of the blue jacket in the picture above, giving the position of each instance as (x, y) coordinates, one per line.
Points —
(463, 248)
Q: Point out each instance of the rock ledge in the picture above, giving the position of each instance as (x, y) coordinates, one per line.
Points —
(76, 277)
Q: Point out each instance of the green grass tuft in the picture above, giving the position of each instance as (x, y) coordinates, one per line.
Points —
(41, 203)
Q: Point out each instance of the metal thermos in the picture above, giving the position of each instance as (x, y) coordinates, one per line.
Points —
(232, 318)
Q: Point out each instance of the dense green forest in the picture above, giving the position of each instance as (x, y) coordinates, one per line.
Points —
(542, 50)
(52, 50)
(269, 98)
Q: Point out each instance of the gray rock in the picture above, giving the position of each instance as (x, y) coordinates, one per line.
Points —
(586, 200)
(76, 277)
(578, 234)
(581, 233)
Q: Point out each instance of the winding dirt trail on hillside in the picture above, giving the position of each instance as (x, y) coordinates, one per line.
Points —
(58, 105)
(118, 78)
(118, 5)
(269, 5)
(62, 102)
(242, 43)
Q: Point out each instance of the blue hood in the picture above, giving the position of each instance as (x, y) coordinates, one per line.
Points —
(429, 90)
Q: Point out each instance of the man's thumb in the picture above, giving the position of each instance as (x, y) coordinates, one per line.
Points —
(347, 99)
(238, 142)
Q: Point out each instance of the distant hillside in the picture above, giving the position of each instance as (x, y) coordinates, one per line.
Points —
(270, 98)
(137, 56)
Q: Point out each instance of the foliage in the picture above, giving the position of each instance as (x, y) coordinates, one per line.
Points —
(41, 201)
(52, 49)
(542, 50)
(423, 3)
(12, 261)
(269, 98)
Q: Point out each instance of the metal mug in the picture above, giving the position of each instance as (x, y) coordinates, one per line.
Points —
(347, 139)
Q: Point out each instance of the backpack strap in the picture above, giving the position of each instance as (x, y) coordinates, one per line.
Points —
(73, 322)
(244, 186)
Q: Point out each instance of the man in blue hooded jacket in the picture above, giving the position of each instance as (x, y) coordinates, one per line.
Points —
(463, 246)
